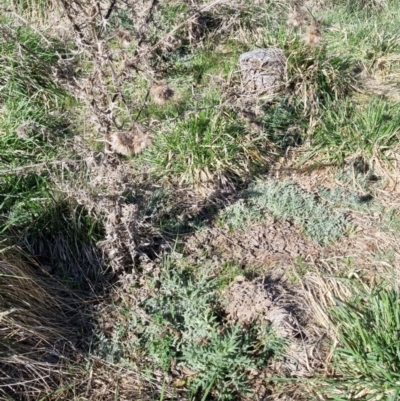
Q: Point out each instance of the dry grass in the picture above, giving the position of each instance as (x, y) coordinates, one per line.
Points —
(130, 143)
(41, 326)
(161, 93)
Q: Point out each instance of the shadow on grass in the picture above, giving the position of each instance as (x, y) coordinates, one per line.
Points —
(52, 276)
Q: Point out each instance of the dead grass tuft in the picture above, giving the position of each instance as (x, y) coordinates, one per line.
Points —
(41, 327)
(129, 143)
(312, 36)
(296, 19)
(161, 93)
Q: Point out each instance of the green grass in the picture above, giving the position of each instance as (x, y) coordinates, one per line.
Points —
(367, 357)
(34, 133)
(349, 129)
(364, 6)
(33, 105)
(33, 123)
(189, 152)
(202, 147)
(392, 221)
(316, 76)
(22, 200)
(37, 10)
(352, 24)
(27, 60)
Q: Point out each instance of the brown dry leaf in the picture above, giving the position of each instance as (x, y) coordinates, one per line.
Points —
(188, 372)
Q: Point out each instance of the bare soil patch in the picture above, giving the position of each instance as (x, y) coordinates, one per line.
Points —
(260, 245)
(281, 307)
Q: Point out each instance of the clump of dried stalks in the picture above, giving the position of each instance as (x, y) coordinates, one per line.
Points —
(114, 63)
(118, 56)
(101, 185)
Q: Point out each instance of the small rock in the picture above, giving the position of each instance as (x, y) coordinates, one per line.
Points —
(262, 70)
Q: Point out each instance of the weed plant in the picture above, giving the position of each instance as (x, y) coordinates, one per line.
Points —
(186, 323)
(343, 200)
(285, 200)
(241, 214)
(284, 124)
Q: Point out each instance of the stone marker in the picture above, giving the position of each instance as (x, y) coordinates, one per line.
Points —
(262, 70)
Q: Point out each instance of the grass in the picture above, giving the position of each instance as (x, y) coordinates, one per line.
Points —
(34, 9)
(367, 130)
(33, 124)
(350, 38)
(205, 147)
(367, 357)
(49, 265)
(318, 77)
(42, 323)
(168, 321)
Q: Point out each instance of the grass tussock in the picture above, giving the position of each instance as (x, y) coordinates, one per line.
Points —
(42, 323)
(204, 147)
(366, 130)
(317, 77)
(366, 357)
